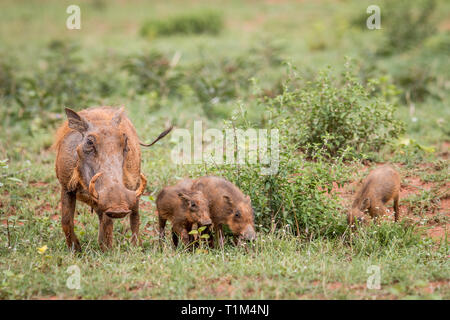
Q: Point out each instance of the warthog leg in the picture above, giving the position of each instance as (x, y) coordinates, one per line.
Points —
(162, 226)
(180, 231)
(396, 210)
(174, 238)
(134, 224)
(68, 200)
(105, 231)
(219, 235)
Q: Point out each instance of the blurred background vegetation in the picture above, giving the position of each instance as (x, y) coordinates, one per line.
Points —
(199, 56)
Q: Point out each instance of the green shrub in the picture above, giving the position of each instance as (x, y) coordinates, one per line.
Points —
(219, 81)
(57, 83)
(298, 197)
(214, 82)
(410, 152)
(61, 79)
(330, 120)
(208, 22)
(410, 78)
(438, 44)
(8, 81)
(407, 23)
(153, 72)
(416, 82)
(337, 114)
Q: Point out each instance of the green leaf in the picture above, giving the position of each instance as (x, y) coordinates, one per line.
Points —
(147, 198)
(193, 232)
(8, 273)
(201, 229)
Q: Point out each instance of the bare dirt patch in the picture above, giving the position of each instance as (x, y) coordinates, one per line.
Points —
(39, 184)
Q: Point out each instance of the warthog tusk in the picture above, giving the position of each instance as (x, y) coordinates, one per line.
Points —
(141, 189)
(92, 190)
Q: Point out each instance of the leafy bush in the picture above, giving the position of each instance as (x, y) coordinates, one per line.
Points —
(337, 114)
(8, 82)
(209, 22)
(410, 152)
(220, 81)
(411, 78)
(61, 79)
(330, 120)
(407, 23)
(214, 83)
(154, 72)
(298, 196)
(59, 82)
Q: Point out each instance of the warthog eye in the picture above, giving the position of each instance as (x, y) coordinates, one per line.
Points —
(89, 145)
(193, 205)
(126, 149)
(237, 214)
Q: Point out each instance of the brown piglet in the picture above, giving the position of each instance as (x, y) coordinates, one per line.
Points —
(184, 208)
(227, 206)
(380, 186)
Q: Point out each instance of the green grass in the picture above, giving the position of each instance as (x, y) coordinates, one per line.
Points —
(277, 266)
(210, 82)
(274, 267)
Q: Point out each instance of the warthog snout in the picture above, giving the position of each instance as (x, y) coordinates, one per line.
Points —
(117, 202)
(114, 199)
(249, 233)
(206, 222)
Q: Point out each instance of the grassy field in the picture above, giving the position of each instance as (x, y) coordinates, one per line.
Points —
(252, 64)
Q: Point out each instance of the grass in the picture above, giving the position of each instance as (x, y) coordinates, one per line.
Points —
(275, 267)
(210, 82)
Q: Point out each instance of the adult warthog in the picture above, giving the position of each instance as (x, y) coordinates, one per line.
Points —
(98, 162)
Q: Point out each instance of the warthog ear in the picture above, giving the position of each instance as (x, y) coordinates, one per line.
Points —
(365, 204)
(204, 197)
(228, 201)
(117, 118)
(184, 196)
(76, 122)
(247, 198)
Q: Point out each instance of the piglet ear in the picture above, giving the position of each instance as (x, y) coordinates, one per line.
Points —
(365, 204)
(76, 122)
(228, 200)
(183, 196)
(117, 118)
(202, 195)
(247, 198)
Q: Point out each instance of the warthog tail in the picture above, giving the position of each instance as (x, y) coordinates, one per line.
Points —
(162, 135)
